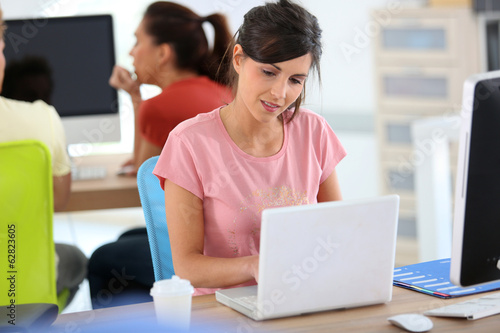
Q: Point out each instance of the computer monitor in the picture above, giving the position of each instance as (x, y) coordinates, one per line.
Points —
(80, 51)
(475, 255)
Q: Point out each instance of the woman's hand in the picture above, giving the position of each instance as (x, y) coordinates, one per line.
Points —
(122, 79)
(128, 169)
(128, 163)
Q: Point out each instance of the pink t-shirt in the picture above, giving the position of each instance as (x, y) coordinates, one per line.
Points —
(235, 187)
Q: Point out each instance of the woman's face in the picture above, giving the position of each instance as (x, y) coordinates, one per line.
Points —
(266, 90)
(145, 53)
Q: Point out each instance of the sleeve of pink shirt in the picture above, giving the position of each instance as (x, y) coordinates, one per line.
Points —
(332, 151)
(175, 153)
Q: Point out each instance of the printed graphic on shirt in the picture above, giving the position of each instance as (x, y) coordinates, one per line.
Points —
(244, 238)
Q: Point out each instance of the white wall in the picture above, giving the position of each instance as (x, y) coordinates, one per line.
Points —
(347, 80)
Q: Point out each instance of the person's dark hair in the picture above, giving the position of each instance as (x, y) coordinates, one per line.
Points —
(180, 27)
(28, 79)
(277, 32)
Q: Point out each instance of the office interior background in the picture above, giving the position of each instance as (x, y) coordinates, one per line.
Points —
(346, 95)
(347, 98)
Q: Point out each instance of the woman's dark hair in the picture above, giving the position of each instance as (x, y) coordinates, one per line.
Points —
(181, 28)
(277, 32)
(28, 79)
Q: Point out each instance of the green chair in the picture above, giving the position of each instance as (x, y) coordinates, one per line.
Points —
(26, 212)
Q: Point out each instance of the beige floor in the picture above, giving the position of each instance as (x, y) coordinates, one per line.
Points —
(89, 230)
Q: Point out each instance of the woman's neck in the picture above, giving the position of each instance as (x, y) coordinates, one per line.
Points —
(253, 137)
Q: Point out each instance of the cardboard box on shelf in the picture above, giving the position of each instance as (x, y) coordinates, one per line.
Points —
(457, 3)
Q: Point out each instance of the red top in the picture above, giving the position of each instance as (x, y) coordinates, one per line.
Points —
(179, 101)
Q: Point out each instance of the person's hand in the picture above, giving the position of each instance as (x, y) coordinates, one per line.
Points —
(122, 79)
(128, 162)
(128, 168)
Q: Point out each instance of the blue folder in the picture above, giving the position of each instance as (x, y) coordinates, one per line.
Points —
(433, 278)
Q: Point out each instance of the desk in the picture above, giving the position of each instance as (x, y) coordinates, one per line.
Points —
(111, 192)
(208, 314)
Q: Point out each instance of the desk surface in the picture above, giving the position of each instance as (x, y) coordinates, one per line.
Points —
(208, 313)
(111, 192)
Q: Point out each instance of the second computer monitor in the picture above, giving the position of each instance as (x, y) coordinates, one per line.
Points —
(80, 53)
(476, 228)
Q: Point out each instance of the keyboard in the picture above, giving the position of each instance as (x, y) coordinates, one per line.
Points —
(88, 172)
(471, 309)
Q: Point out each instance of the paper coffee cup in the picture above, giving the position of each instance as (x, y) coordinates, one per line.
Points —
(172, 301)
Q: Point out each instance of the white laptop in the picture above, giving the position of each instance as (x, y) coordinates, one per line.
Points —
(319, 257)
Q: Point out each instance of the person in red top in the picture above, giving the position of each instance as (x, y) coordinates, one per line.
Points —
(172, 53)
(179, 101)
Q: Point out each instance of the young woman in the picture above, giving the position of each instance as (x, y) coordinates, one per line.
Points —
(172, 52)
(261, 150)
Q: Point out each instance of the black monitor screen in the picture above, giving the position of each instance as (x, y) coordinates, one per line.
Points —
(80, 54)
(481, 248)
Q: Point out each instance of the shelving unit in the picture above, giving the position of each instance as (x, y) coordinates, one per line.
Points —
(422, 57)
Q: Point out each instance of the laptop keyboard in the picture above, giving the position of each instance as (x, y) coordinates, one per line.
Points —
(248, 301)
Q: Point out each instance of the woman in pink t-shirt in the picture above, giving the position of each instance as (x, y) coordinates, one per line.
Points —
(172, 52)
(222, 168)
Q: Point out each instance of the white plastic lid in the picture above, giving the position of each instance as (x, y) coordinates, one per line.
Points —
(172, 287)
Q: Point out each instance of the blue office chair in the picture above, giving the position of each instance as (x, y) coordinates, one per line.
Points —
(153, 206)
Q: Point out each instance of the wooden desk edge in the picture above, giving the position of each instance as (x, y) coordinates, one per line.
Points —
(111, 192)
(207, 312)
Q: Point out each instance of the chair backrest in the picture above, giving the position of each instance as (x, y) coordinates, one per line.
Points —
(153, 206)
(26, 212)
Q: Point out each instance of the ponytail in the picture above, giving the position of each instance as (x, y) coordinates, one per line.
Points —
(180, 27)
(217, 62)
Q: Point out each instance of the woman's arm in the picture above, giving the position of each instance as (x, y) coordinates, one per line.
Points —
(62, 191)
(329, 190)
(184, 213)
(145, 151)
(121, 79)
